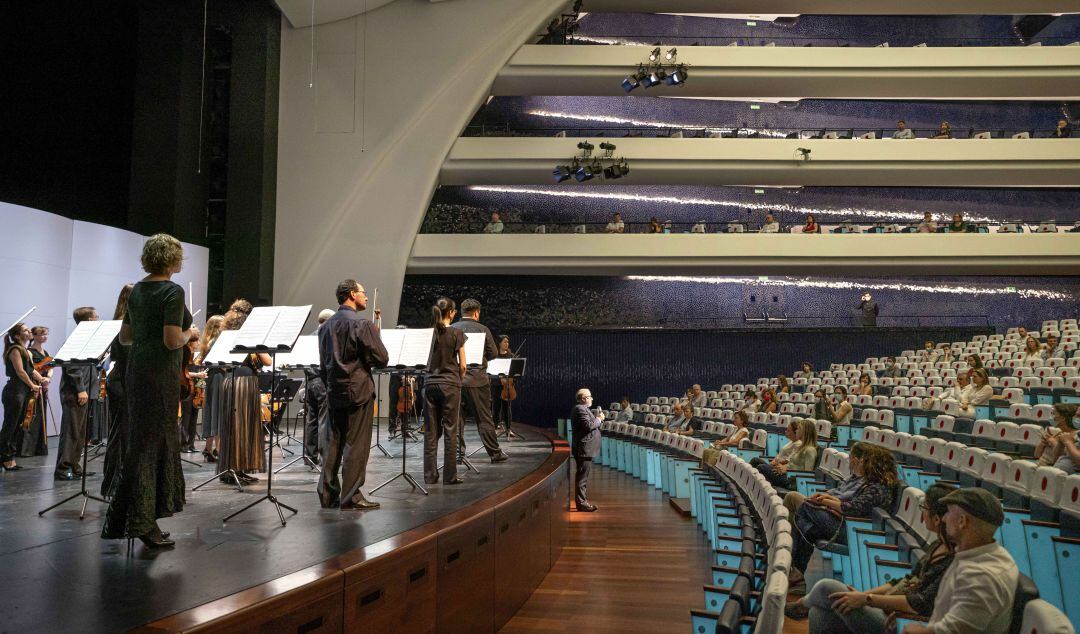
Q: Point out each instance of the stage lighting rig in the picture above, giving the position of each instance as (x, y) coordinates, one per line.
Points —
(608, 148)
(586, 167)
(586, 148)
(654, 55)
(671, 54)
(662, 68)
(634, 80)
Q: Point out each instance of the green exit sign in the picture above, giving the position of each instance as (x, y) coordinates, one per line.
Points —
(763, 278)
(749, 23)
(759, 191)
(1011, 289)
(755, 106)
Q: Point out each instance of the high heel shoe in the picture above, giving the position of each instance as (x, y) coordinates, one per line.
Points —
(209, 457)
(13, 467)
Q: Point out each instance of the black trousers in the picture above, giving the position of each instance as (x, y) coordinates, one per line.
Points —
(72, 436)
(442, 403)
(581, 479)
(188, 417)
(779, 480)
(316, 419)
(478, 400)
(11, 434)
(347, 448)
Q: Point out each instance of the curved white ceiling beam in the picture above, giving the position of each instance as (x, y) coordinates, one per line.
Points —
(838, 7)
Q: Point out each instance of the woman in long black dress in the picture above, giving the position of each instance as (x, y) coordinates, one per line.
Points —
(35, 440)
(215, 377)
(156, 326)
(118, 415)
(241, 431)
(23, 381)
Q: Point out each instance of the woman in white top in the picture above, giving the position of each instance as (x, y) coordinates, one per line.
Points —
(1032, 351)
(979, 393)
(751, 402)
(842, 410)
(740, 433)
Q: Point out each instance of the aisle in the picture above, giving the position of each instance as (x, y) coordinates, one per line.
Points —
(633, 566)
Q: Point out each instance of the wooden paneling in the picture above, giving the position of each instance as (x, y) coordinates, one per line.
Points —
(395, 592)
(466, 556)
(560, 513)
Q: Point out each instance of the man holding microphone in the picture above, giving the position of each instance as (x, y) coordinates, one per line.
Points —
(586, 445)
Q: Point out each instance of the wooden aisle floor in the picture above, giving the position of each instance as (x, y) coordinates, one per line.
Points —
(633, 566)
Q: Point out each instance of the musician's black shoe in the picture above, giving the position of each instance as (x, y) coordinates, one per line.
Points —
(586, 507)
(455, 480)
(64, 475)
(360, 503)
(500, 457)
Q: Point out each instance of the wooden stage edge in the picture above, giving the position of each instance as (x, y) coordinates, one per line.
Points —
(470, 570)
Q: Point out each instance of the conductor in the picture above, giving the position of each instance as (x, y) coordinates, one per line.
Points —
(586, 427)
(349, 347)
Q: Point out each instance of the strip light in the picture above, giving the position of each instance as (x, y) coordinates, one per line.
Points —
(755, 206)
(1026, 293)
(599, 118)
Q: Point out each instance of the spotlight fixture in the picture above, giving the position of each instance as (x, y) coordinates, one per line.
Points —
(561, 173)
(671, 54)
(657, 76)
(654, 56)
(608, 149)
(583, 173)
(633, 81)
(677, 76)
(586, 148)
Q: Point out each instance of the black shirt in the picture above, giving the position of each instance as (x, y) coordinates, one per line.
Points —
(477, 377)
(444, 368)
(349, 347)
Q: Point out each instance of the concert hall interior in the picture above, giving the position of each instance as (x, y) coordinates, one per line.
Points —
(740, 316)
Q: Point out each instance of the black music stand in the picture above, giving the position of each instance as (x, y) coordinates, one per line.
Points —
(404, 441)
(303, 457)
(232, 472)
(375, 420)
(515, 371)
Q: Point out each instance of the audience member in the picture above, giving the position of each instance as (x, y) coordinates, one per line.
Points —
(1053, 348)
(821, 516)
(770, 225)
(974, 362)
(799, 454)
(902, 131)
(979, 393)
(654, 226)
(616, 225)
(737, 435)
(1021, 333)
(1063, 131)
(782, 385)
(811, 225)
(977, 590)
(835, 607)
(626, 414)
(699, 227)
(751, 402)
(944, 131)
(769, 402)
(929, 353)
(958, 392)
(698, 398)
(823, 408)
(678, 417)
(807, 370)
(868, 311)
(891, 371)
(958, 224)
(928, 224)
(496, 224)
(945, 355)
(1060, 447)
(866, 387)
(1032, 351)
(842, 410)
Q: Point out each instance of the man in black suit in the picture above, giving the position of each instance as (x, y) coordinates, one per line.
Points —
(586, 427)
(475, 388)
(78, 393)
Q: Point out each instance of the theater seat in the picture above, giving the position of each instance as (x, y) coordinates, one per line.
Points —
(1042, 618)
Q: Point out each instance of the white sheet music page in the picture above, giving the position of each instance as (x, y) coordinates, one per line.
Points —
(272, 327)
(286, 328)
(498, 366)
(89, 341)
(474, 349)
(305, 354)
(253, 333)
(102, 338)
(416, 347)
(391, 340)
(221, 352)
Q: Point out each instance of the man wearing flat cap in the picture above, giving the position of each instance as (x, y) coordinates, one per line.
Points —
(976, 591)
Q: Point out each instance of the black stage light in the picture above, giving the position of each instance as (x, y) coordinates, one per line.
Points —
(655, 54)
(612, 172)
(623, 167)
(657, 76)
(633, 81)
(671, 54)
(677, 76)
(586, 148)
(583, 173)
(610, 147)
(561, 173)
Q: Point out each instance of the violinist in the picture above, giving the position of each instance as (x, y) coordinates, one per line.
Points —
(316, 411)
(213, 409)
(35, 441)
(22, 389)
(79, 392)
(506, 387)
(118, 416)
(189, 414)
(475, 389)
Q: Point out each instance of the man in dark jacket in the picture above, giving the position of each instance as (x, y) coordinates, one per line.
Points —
(475, 388)
(586, 426)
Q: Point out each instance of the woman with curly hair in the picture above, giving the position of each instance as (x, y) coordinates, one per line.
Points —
(157, 325)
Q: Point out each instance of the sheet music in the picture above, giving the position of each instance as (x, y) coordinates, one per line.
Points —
(474, 349)
(305, 354)
(408, 347)
(221, 352)
(89, 341)
(272, 327)
(499, 366)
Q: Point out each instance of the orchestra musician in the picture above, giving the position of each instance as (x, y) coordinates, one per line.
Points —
(349, 347)
(79, 391)
(241, 433)
(475, 388)
(35, 440)
(507, 391)
(212, 410)
(21, 391)
(316, 412)
(189, 413)
(118, 412)
(442, 393)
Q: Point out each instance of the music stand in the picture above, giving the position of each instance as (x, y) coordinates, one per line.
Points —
(85, 348)
(409, 351)
(375, 421)
(513, 368)
(221, 356)
(304, 355)
(270, 330)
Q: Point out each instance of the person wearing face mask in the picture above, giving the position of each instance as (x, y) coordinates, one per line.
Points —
(842, 410)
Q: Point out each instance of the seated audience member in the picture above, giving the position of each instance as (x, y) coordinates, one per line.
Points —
(799, 454)
(1062, 131)
(678, 417)
(496, 224)
(842, 409)
(698, 398)
(821, 516)
(958, 392)
(654, 226)
(616, 225)
(751, 402)
(835, 607)
(626, 414)
(945, 355)
(902, 131)
(769, 402)
(944, 131)
(928, 224)
(929, 353)
(977, 590)
(770, 225)
(958, 224)
(689, 425)
(974, 362)
(782, 385)
(811, 225)
(739, 434)
(866, 387)
(699, 227)
(823, 409)
(807, 370)
(1033, 353)
(1021, 333)
(1060, 447)
(1053, 348)
(979, 393)
(891, 371)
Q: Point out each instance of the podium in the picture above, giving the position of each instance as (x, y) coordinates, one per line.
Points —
(409, 351)
(85, 347)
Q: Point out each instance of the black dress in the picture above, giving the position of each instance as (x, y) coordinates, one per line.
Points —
(14, 399)
(151, 480)
(35, 440)
(118, 419)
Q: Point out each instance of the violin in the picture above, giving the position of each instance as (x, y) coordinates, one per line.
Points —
(406, 396)
(509, 392)
(187, 384)
(102, 379)
(47, 362)
(28, 415)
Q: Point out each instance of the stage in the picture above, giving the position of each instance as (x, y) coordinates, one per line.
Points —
(60, 576)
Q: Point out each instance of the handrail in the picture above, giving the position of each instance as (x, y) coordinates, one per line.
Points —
(713, 227)
(741, 131)
(646, 39)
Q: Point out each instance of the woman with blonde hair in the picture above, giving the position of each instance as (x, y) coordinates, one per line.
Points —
(215, 377)
(799, 454)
